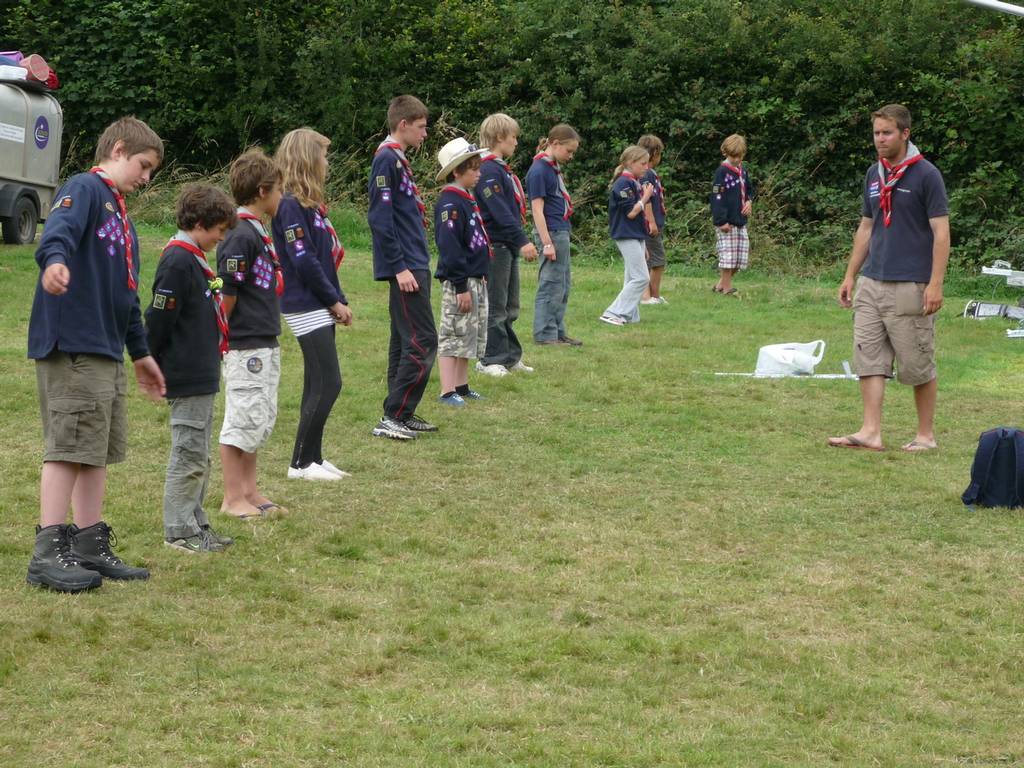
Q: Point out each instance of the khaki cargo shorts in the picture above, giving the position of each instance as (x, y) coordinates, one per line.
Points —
(463, 334)
(888, 325)
(82, 404)
(251, 378)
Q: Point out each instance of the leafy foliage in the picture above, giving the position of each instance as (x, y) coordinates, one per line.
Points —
(797, 77)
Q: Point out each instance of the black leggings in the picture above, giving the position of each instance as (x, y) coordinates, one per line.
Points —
(321, 385)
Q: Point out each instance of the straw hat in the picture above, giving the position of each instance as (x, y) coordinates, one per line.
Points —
(454, 153)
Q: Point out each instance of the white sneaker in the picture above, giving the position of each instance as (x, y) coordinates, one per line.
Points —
(521, 367)
(491, 370)
(334, 470)
(661, 300)
(651, 300)
(611, 320)
(312, 472)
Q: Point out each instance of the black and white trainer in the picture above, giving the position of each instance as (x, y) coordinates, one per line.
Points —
(393, 428)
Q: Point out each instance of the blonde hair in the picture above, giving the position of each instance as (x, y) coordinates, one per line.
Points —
(734, 146)
(496, 127)
(651, 143)
(562, 133)
(630, 154)
(299, 159)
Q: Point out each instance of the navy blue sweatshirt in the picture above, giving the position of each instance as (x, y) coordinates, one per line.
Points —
(99, 314)
(181, 322)
(246, 266)
(726, 202)
(396, 223)
(496, 195)
(303, 244)
(657, 200)
(463, 251)
(624, 195)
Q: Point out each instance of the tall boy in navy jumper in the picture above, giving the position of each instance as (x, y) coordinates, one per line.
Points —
(502, 201)
(464, 253)
(86, 309)
(398, 222)
(188, 333)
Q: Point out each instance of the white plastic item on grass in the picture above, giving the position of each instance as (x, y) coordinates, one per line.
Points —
(791, 359)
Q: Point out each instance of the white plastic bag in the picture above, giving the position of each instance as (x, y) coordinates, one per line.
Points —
(791, 359)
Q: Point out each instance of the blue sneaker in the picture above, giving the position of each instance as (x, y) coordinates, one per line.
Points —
(454, 399)
(473, 395)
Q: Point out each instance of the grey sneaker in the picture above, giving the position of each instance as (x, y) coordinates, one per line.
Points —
(202, 542)
(394, 429)
(416, 424)
(224, 541)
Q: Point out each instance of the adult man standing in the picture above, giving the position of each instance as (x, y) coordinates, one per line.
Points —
(902, 244)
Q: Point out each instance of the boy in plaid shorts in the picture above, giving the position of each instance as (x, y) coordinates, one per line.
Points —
(731, 195)
(464, 252)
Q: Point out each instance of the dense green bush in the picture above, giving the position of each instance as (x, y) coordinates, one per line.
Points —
(798, 77)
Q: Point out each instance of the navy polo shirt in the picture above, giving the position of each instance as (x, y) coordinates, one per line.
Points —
(542, 182)
(624, 195)
(902, 252)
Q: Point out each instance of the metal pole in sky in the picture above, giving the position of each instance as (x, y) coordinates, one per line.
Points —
(996, 5)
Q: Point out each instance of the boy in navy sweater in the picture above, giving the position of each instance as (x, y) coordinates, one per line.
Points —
(398, 223)
(502, 201)
(462, 263)
(731, 196)
(188, 334)
(248, 264)
(85, 311)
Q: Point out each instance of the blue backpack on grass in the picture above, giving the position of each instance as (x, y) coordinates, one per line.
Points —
(997, 475)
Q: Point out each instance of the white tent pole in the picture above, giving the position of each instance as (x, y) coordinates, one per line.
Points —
(996, 5)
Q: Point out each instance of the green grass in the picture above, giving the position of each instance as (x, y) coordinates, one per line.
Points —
(620, 560)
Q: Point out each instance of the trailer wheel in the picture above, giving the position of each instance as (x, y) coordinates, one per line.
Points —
(20, 227)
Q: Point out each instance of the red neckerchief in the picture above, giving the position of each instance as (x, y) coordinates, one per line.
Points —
(421, 207)
(222, 320)
(738, 170)
(561, 181)
(123, 213)
(895, 173)
(337, 251)
(262, 232)
(635, 182)
(660, 189)
(520, 195)
(476, 209)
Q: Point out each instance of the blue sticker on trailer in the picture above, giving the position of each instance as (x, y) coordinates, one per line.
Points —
(41, 133)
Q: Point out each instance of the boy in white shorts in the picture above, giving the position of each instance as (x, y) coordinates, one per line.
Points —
(249, 267)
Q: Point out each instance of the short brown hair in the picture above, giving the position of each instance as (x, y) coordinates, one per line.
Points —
(252, 173)
(136, 135)
(734, 146)
(651, 143)
(563, 133)
(895, 112)
(200, 205)
(407, 108)
(466, 165)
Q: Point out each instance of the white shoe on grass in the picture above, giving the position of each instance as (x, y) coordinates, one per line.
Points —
(334, 470)
(612, 320)
(491, 370)
(651, 300)
(521, 367)
(312, 472)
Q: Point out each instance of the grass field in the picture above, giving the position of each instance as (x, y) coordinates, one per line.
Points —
(619, 560)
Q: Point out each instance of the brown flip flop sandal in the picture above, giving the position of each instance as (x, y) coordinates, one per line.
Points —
(849, 441)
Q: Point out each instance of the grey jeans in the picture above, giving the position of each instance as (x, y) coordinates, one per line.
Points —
(553, 283)
(503, 347)
(627, 304)
(188, 468)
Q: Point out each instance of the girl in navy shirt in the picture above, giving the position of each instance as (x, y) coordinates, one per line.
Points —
(551, 206)
(312, 302)
(628, 228)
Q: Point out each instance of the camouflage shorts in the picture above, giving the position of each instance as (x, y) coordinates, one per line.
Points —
(463, 334)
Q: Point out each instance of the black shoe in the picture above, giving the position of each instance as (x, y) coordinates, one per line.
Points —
(52, 564)
(91, 547)
(570, 341)
(394, 429)
(416, 424)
